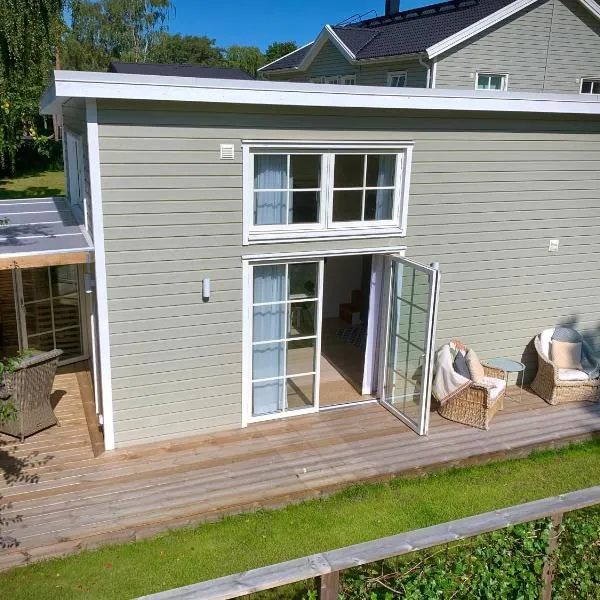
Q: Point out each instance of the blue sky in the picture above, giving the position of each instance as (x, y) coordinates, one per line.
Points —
(260, 22)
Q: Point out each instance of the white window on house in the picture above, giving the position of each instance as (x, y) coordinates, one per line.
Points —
(75, 175)
(317, 80)
(590, 86)
(349, 80)
(491, 81)
(334, 79)
(324, 192)
(397, 79)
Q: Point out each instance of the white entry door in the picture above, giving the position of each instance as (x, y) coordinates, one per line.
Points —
(409, 337)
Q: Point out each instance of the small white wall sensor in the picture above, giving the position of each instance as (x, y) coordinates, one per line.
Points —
(227, 152)
(205, 289)
(553, 245)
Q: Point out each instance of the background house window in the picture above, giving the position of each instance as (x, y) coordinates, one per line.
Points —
(397, 79)
(323, 192)
(491, 81)
(590, 86)
(349, 80)
(317, 80)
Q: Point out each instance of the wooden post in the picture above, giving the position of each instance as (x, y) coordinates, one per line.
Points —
(550, 562)
(329, 586)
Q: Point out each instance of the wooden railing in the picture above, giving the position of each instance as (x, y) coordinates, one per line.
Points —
(326, 566)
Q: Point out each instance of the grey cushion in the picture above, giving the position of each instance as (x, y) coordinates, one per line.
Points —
(564, 334)
(461, 366)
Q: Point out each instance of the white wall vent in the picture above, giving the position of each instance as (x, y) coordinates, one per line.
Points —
(227, 152)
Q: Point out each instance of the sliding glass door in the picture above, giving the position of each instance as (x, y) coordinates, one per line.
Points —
(286, 318)
(409, 341)
(49, 304)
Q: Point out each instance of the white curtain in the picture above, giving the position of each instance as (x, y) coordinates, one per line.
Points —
(270, 172)
(268, 325)
(385, 177)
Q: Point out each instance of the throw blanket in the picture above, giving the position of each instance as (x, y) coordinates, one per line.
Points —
(590, 362)
(447, 383)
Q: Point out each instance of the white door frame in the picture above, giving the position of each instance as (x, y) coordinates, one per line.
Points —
(423, 427)
(248, 262)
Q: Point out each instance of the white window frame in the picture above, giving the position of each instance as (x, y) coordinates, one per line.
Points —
(326, 228)
(333, 79)
(75, 163)
(503, 86)
(392, 74)
(317, 80)
(593, 80)
(348, 79)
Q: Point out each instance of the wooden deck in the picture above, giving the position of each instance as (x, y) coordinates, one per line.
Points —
(58, 498)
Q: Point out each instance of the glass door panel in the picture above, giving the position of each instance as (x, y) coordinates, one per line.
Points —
(285, 339)
(51, 306)
(409, 341)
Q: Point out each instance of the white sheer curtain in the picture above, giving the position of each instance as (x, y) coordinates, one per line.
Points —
(385, 177)
(270, 172)
(268, 359)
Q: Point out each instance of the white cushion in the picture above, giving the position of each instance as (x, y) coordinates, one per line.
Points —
(572, 375)
(545, 338)
(494, 385)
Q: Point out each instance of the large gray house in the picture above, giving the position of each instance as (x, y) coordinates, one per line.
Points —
(522, 45)
(253, 250)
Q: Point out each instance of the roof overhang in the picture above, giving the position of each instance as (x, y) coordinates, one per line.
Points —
(117, 86)
(500, 15)
(40, 232)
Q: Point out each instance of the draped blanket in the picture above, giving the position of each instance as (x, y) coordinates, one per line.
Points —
(447, 383)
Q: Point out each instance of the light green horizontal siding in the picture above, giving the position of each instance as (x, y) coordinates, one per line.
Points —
(487, 194)
(545, 48)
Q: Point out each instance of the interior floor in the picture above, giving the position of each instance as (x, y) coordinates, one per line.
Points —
(342, 364)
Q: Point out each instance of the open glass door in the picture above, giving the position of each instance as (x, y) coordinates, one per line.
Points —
(409, 341)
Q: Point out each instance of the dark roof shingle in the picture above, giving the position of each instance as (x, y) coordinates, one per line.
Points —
(178, 70)
(407, 32)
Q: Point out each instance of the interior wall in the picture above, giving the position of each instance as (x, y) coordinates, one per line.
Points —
(342, 275)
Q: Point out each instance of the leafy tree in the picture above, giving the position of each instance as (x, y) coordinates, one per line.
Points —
(29, 31)
(248, 58)
(103, 30)
(278, 49)
(194, 49)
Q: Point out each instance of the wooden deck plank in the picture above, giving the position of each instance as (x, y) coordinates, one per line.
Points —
(74, 500)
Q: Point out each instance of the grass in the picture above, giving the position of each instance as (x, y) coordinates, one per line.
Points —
(33, 185)
(357, 514)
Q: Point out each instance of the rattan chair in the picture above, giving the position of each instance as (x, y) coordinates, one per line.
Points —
(29, 388)
(474, 405)
(554, 390)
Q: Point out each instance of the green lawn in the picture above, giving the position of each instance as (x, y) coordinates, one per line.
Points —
(34, 185)
(357, 514)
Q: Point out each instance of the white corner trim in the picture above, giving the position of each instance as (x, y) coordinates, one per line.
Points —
(100, 272)
(285, 56)
(491, 20)
(480, 26)
(123, 87)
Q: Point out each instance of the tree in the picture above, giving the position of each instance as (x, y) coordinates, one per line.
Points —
(199, 50)
(105, 30)
(29, 31)
(278, 49)
(248, 58)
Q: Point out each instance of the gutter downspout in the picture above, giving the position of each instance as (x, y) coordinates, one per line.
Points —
(433, 71)
(424, 64)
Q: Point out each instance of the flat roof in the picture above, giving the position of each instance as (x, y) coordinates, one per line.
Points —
(119, 86)
(40, 226)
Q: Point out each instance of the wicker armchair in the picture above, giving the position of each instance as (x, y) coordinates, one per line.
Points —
(29, 388)
(554, 390)
(474, 405)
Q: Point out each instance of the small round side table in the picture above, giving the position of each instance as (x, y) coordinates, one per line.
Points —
(508, 366)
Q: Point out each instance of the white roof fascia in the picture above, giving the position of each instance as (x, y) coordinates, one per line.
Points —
(284, 56)
(121, 86)
(491, 20)
(326, 34)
